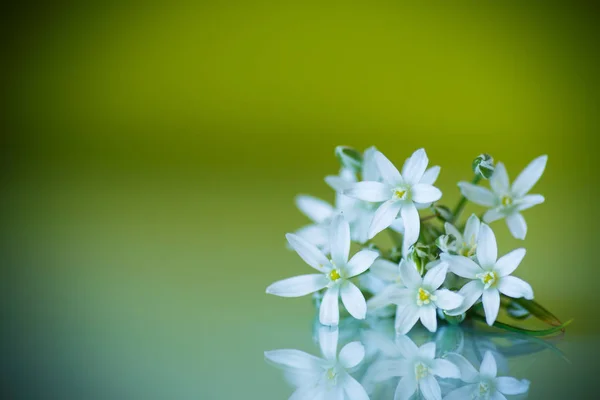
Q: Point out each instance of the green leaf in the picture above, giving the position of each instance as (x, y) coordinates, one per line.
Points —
(529, 332)
(538, 311)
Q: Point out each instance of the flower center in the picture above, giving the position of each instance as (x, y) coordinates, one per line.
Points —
(424, 297)
(484, 388)
(421, 371)
(467, 251)
(331, 374)
(334, 275)
(400, 193)
(506, 201)
(488, 278)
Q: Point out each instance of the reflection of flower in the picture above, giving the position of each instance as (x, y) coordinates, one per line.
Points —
(335, 274)
(508, 201)
(489, 276)
(322, 378)
(484, 384)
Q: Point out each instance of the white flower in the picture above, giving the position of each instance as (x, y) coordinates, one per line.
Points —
(420, 297)
(466, 244)
(484, 384)
(334, 274)
(508, 201)
(320, 213)
(489, 276)
(399, 193)
(322, 378)
(418, 369)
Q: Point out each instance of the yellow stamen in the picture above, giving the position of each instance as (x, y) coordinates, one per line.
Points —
(334, 275)
(506, 201)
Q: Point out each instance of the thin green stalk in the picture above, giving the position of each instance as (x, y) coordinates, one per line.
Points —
(463, 201)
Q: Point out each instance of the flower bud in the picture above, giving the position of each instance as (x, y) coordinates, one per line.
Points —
(349, 158)
(446, 243)
(443, 213)
(483, 166)
(455, 319)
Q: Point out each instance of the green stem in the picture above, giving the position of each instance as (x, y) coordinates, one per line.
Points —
(463, 201)
(507, 327)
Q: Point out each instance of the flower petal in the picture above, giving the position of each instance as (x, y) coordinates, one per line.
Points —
(384, 270)
(386, 369)
(308, 252)
(384, 216)
(487, 248)
(462, 393)
(492, 215)
(369, 191)
(401, 296)
(488, 365)
(529, 201)
(406, 319)
(516, 225)
(529, 177)
(461, 265)
(339, 240)
(472, 229)
(467, 372)
(328, 341)
(352, 354)
(370, 172)
(414, 167)
(406, 388)
(471, 292)
(497, 396)
(406, 346)
(430, 175)
(477, 194)
(509, 262)
(353, 300)
(353, 389)
(447, 300)
(317, 235)
(338, 183)
(510, 386)
(430, 388)
(316, 209)
(425, 193)
(385, 297)
(451, 230)
(428, 318)
(361, 262)
(515, 287)
(434, 278)
(329, 312)
(491, 305)
(409, 275)
(412, 225)
(388, 171)
(297, 359)
(445, 369)
(298, 285)
(499, 180)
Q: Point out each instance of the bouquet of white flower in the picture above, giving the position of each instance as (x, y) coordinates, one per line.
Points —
(437, 268)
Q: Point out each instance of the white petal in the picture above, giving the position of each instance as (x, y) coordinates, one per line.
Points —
(409, 275)
(414, 167)
(462, 393)
(431, 175)
(308, 252)
(338, 183)
(467, 372)
(515, 287)
(360, 227)
(447, 300)
(510, 386)
(298, 285)
(516, 225)
(361, 262)
(328, 341)
(353, 300)
(445, 369)
(353, 389)
(412, 225)
(339, 240)
(317, 235)
(406, 319)
(434, 278)
(509, 262)
(386, 369)
(425, 193)
(385, 270)
(352, 354)
(471, 292)
(451, 230)
(428, 318)
(406, 388)
(288, 358)
(406, 346)
(427, 351)
(462, 266)
(472, 229)
(388, 171)
(491, 305)
(370, 172)
(316, 209)
(499, 180)
(529, 177)
(384, 297)
(329, 312)
(384, 216)
(401, 296)
(497, 396)
(488, 365)
(477, 194)
(492, 215)
(430, 388)
(529, 201)
(369, 191)
(397, 226)
(487, 248)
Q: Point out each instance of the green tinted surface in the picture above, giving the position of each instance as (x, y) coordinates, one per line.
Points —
(151, 155)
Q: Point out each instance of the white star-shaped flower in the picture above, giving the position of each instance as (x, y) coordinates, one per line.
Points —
(508, 201)
(322, 378)
(334, 274)
(400, 194)
(484, 385)
(463, 244)
(489, 276)
(420, 297)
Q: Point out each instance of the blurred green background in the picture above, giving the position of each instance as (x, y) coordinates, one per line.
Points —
(151, 154)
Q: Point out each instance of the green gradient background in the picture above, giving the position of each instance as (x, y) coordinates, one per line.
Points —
(151, 154)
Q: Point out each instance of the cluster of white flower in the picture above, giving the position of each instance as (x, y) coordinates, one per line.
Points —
(434, 271)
